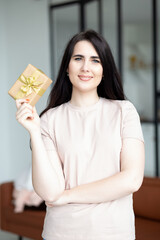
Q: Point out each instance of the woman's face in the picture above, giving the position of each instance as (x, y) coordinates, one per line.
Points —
(85, 68)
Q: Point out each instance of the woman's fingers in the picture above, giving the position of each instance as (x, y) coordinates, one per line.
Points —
(27, 115)
(24, 115)
(19, 102)
(49, 204)
(25, 106)
(23, 110)
(34, 110)
(24, 103)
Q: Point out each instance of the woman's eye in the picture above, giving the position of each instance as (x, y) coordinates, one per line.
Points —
(78, 58)
(96, 61)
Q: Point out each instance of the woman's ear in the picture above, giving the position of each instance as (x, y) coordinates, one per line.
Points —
(67, 72)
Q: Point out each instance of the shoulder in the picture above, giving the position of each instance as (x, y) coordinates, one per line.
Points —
(122, 106)
(128, 109)
(49, 117)
(52, 112)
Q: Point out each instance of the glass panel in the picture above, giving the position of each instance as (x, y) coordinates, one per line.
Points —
(65, 24)
(91, 15)
(110, 25)
(138, 69)
(137, 45)
(148, 132)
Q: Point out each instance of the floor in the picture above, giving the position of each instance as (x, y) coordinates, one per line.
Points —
(9, 236)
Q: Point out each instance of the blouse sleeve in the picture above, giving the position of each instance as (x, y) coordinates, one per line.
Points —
(131, 126)
(47, 137)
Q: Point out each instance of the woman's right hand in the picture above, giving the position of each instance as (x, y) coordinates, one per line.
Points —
(27, 115)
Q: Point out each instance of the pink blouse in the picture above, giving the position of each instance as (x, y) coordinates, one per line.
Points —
(87, 141)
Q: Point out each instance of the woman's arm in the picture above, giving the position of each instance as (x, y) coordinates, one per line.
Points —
(47, 176)
(127, 181)
(48, 180)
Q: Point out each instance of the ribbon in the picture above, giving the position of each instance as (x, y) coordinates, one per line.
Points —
(30, 85)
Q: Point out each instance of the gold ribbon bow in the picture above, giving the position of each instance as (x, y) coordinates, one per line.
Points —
(30, 85)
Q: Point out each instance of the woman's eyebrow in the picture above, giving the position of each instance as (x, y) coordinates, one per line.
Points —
(94, 57)
(79, 55)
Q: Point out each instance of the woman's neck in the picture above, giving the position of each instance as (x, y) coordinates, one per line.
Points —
(84, 99)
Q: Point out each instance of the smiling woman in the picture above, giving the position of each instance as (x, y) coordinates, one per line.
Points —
(83, 148)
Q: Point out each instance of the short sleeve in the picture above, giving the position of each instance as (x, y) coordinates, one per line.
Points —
(131, 126)
(48, 138)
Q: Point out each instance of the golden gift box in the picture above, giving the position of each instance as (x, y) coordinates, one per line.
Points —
(31, 84)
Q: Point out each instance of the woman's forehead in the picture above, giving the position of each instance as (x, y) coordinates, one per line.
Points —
(84, 47)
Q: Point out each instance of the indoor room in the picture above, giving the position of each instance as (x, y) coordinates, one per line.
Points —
(36, 32)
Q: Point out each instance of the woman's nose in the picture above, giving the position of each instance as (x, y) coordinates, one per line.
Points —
(85, 66)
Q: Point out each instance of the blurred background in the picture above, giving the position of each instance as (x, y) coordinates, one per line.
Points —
(36, 32)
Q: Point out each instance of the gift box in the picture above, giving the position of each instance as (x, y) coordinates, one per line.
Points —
(31, 84)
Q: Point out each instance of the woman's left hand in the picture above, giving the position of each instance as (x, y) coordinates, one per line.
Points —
(62, 200)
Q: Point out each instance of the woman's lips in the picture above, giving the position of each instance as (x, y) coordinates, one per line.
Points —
(84, 77)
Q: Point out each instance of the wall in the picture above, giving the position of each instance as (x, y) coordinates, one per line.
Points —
(24, 39)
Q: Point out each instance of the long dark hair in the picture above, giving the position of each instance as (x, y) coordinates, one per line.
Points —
(110, 86)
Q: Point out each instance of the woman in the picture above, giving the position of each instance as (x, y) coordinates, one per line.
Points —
(88, 157)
